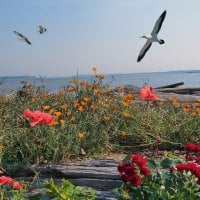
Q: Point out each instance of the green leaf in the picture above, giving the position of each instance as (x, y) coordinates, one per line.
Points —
(127, 158)
(151, 164)
(166, 163)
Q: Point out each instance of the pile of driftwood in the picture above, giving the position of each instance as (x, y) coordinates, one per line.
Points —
(190, 94)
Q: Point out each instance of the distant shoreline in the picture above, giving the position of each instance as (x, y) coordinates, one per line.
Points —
(36, 77)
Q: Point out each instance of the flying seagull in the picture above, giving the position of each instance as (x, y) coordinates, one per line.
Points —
(22, 37)
(152, 37)
(41, 29)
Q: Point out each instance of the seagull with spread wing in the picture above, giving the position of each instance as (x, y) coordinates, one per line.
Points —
(152, 37)
(41, 29)
(22, 37)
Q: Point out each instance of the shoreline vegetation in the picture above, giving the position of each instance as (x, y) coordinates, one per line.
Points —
(89, 120)
(92, 115)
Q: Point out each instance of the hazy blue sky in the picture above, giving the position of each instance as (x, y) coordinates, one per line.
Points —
(103, 33)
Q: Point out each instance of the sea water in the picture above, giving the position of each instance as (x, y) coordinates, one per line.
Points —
(154, 79)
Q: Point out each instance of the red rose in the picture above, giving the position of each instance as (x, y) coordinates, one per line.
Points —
(190, 157)
(196, 172)
(192, 147)
(122, 167)
(198, 159)
(145, 171)
(135, 180)
(129, 171)
(124, 178)
(138, 160)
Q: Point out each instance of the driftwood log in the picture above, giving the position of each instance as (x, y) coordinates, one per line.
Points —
(101, 175)
(189, 94)
(171, 85)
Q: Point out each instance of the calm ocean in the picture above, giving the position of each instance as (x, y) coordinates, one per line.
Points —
(154, 79)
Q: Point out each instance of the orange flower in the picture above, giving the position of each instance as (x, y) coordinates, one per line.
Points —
(175, 103)
(126, 114)
(54, 123)
(93, 107)
(125, 103)
(86, 99)
(64, 106)
(172, 99)
(106, 105)
(100, 101)
(57, 113)
(186, 104)
(185, 109)
(76, 104)
(95, 90)
(60, 93)
(73, 119)
(146, 94)
(123, 133)
(62, 121)
(83, 103)
(129, 97)
(94, 69)
(196, 105)
(81, 83)
(161, 103)
(106, 118)
(80, 108)
(81, 135)
(86, 86)
(99, 77)
(45, 107)
(69, 113)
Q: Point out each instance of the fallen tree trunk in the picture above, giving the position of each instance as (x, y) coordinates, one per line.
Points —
(189, 91)
(170, 86)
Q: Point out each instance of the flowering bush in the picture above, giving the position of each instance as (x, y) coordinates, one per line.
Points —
(167, 177)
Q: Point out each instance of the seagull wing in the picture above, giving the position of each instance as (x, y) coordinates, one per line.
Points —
(19, 34)
(23, 37)
(26, 39)
(143, 51)
(158, 23)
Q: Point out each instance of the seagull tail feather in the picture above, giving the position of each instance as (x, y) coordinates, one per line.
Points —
(161, 41)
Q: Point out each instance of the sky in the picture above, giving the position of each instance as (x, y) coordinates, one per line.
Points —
(82, 34)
